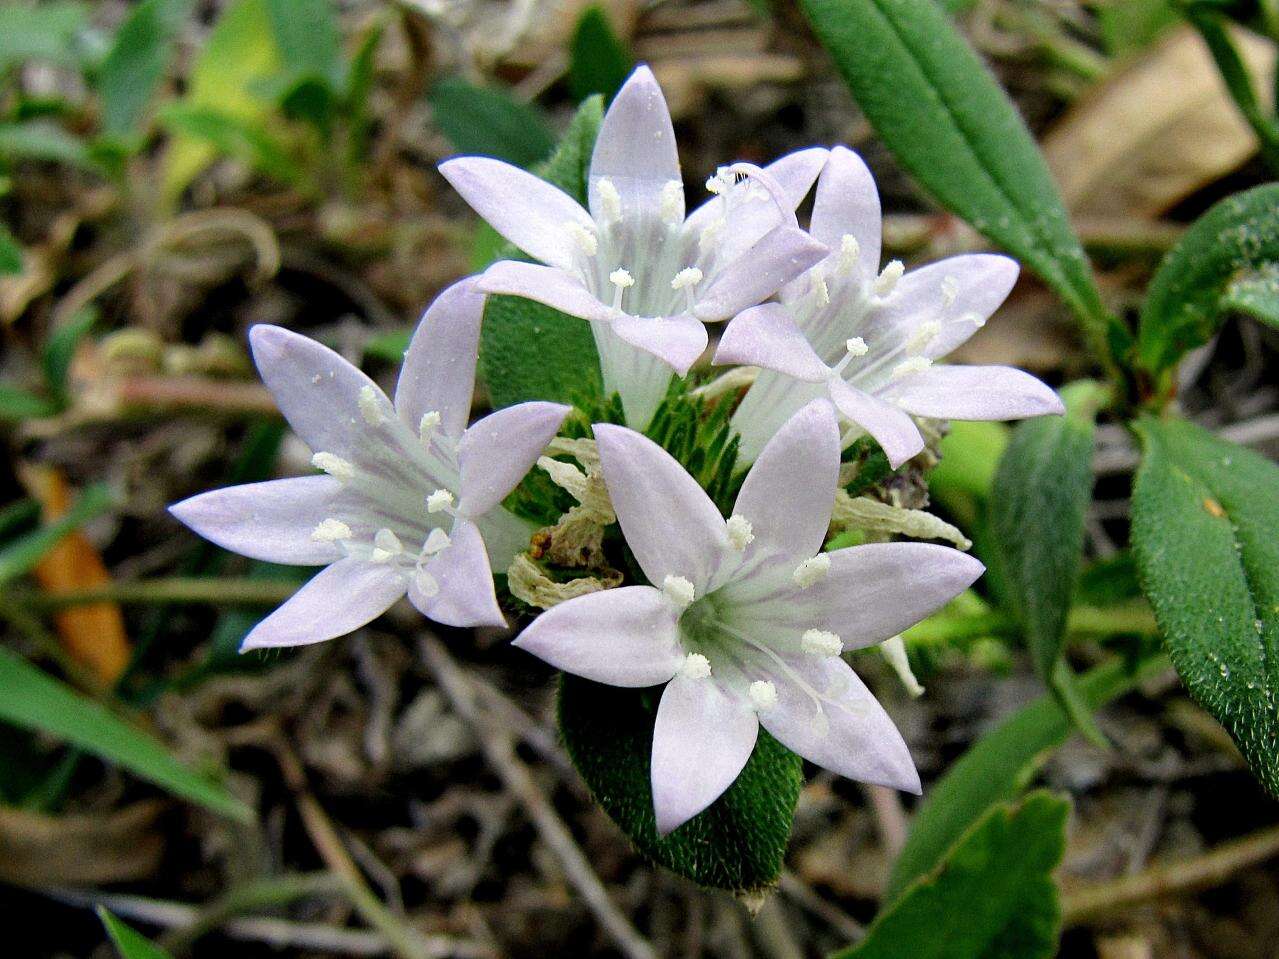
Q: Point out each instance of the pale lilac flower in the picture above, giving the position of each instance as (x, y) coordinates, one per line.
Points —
(867, 338)
(643, 274)
(747, 619)
(411, 502)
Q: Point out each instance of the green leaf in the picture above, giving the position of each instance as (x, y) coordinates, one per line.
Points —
(19, 556)
(131, 944)
(232, 136)
(18, 404)
(36, 701)
(997, 768)
(10, 253)
(44, 31)
(529, 351)
(1132, 25)
(937, 107)
(58, 352)
(992, 898)
(136, 63)
(1204, 519)
(1044, 485)
(307, 36)
(737, 843)
(599, 61)
(45, 141)
(1183, 307)
(490, 122)
(1255, 295)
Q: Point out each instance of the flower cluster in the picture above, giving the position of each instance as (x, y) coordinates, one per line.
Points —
(742, 619)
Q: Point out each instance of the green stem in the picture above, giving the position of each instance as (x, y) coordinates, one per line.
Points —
(177, 589)
(1135, 618)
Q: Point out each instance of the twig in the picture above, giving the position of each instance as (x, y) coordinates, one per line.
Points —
(1187, 875)
(803, 895)
(890, 817)
(499, 748)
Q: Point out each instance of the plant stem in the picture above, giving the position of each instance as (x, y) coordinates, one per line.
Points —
(177, 589)
(1135, 617)
(251, 897)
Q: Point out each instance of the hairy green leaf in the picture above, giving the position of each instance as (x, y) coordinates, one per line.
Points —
(490, 122)
(737, 843)
(34, 700)
(130, 943)
(598, 60)
(1183, 307)
(937, 107)
(993, 897)
(1204, 519)
(136, 63)
(529, 351)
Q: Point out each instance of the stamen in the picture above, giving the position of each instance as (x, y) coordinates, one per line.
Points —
(856, 346)
(849, 252)
(386, 546)
(335, 466)
(916, 364)
(427, 426)
(439, 502)
(678, 590)
(886, 282)
(819, 287)
(584, 238)
(687, 277)
(610, 199)
(695, 666)
(763, 694)
(711, 234)
(331, 531)
(922, 336)
(949, 290)
(821, 643)
(621, 280)
(811, 571)
(436, 542)
(740, 534)
(894, 650)
(371, 406)
(426, 584)
(673, 202)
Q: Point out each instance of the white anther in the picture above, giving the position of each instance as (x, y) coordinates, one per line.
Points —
(740, 534)
(436, 542)
(428, 424)
(821, 643)
(949, 290)
(386, 546)
(335, 466)
(976, 319)
(812, 570)
(673, 202)
(849, 251)
(610, 199)
(331, 531)
(916, 364)
(439, 501)
(886, 282)
(621, 279)
(763, 694)
(678, 590)
(723, 180)
(713, 185)
(426, 584)
(922, 336)
(856, 346)
(695, 666)
(584, 238)
(689, 276)
(371, 406)
(819, 286)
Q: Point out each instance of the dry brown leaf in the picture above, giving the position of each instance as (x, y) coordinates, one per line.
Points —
(80, 850)
(93, 634)
(1157, 130)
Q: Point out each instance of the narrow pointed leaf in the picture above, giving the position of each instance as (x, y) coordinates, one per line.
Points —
(130, 943)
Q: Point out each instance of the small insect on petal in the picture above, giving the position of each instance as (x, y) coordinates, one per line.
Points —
(740, 533)
(811, 571)
(763, 694)
(678, 590)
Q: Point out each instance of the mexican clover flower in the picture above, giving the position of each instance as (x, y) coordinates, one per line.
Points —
(643, 274)
(748, 619)
(867, 338)
(411, 499)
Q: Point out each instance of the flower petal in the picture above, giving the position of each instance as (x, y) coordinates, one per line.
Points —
(545, 284)
(466, 596)
(636, 148)
(498, 451)
(528, 211)
(338, 600)
(779, 256)
(622, 637)
(766, 336)
(701, 741)
(269, 521)
(316, 389)
(794, 173)
(852, 735)
(974, 393)
(439, 366)
(669, 522)
(892, 429)
(788, 495)
(847, 203)
(678, 341)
